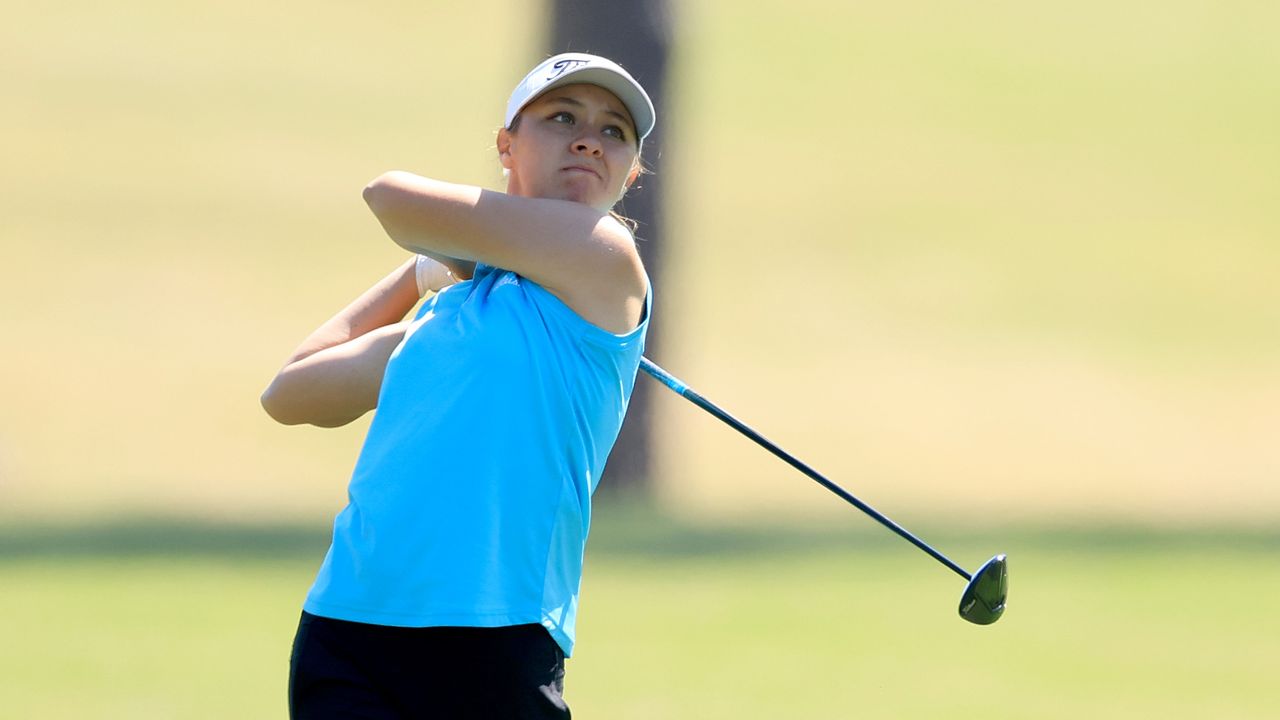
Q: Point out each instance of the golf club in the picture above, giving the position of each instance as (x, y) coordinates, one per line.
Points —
(983, 600)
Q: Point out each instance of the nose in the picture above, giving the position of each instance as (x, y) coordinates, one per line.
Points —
(588, 144)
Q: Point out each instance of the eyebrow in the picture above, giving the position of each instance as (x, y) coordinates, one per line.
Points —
(566, 100)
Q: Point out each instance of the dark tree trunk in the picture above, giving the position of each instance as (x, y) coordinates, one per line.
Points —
(637, 35)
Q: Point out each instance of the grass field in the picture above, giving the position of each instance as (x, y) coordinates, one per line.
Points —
(166, 620)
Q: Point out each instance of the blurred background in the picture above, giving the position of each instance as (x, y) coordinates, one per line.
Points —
(1005, 270)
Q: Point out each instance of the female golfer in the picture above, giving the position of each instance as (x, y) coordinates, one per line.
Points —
(451, 587)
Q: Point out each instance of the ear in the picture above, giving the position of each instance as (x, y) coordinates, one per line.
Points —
(504, 147)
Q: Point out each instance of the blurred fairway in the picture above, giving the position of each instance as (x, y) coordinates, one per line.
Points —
(156, 620)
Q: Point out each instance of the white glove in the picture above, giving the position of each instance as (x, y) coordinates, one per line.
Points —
(431, 275)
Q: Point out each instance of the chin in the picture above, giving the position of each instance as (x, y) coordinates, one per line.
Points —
(585, 193)
(584, 198)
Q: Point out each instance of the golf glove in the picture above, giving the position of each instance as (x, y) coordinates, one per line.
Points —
(431, 275)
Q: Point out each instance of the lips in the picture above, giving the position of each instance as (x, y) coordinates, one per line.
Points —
(581, 169)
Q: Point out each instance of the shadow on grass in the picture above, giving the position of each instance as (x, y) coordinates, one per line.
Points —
(641, 532)
(633, 531)
(162, 536)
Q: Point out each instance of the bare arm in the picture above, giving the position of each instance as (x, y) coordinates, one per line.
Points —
(334, 376)
(580, 254)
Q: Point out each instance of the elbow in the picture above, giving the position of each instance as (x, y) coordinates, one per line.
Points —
(386, 197)
(384, 191)
(280, 406)
(287, 408)
(375, 192)
(276, 409)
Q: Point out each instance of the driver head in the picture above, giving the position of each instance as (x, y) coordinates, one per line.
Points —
(983, 599)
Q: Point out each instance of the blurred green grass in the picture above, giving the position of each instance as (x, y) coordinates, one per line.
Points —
(157, 619)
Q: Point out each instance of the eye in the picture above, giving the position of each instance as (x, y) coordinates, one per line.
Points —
(615, 131)
(562, 117)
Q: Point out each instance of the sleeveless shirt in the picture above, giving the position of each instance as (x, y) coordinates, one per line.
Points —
(470, 502)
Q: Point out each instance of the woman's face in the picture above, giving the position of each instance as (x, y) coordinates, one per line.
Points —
(575, 142)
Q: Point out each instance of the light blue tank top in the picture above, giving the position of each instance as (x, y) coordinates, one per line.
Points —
(471, 499)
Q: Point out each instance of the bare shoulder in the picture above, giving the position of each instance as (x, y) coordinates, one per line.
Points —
(610, 291)
(580, 254)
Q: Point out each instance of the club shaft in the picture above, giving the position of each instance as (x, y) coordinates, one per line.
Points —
(687, 393)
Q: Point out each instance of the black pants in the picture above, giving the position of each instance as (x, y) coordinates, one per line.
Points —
(344, 669)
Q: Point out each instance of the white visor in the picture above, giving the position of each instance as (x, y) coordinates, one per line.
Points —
(572, 68)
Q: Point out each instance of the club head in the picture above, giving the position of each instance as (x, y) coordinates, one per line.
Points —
(983, 599)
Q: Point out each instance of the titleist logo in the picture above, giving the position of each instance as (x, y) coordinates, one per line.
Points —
(560, 67)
